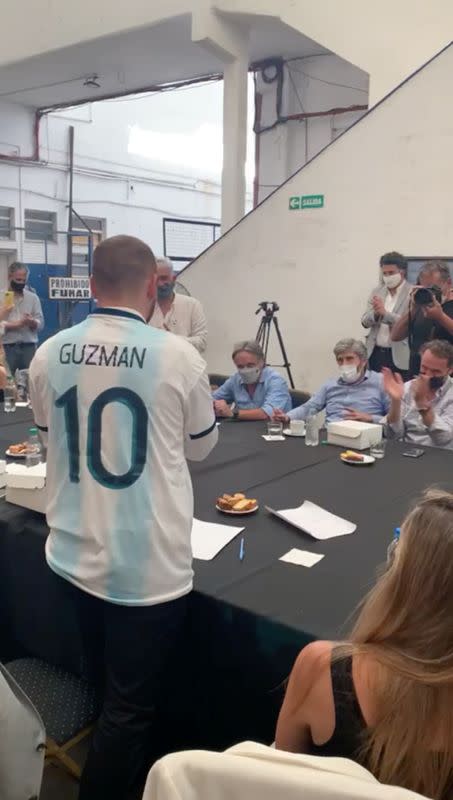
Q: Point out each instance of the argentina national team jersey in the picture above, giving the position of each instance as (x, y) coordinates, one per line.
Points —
(123, 405)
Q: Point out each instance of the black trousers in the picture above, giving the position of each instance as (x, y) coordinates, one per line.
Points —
(19, 355)
(382, 357)
(130, 651)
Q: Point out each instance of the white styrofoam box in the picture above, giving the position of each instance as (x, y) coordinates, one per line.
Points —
(2, 480)
(18, 476)
(2, 467)
(34, 499)
(353, 435)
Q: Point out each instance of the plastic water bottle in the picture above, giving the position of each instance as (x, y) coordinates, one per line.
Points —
(9, 396)
(312, 431)
(34, 449)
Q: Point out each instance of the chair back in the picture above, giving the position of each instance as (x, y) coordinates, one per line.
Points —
(217, 380)
(252, 771)
(298, 397)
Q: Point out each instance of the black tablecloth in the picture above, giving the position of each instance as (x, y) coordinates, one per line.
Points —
(249, 618)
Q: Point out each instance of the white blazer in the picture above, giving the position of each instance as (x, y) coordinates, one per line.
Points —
(252, 771)
(185, 318)
(400, 350)
(22, 742)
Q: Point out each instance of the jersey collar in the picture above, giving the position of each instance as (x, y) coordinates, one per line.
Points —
(119, 311)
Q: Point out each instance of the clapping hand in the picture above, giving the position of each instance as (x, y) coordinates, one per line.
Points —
(378, 306)
(222, 409)
(421, 391)
(393, 384)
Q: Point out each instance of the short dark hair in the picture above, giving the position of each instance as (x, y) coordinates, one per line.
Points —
(121, 262)
(439, 348)
(394, 259)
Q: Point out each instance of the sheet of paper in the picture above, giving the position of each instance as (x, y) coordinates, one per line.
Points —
(273, 438)
(209, 538)
(316, 521)
(301, 557)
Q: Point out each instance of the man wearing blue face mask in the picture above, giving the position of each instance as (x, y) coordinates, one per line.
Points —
(357, 393)
(255, 390)
(177, 313)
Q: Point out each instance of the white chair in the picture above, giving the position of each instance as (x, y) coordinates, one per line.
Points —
(252, 771)
(22, 742)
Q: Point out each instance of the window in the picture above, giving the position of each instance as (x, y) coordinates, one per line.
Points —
(93, 224)
(6, 222)
(40, 225)
(81, 236)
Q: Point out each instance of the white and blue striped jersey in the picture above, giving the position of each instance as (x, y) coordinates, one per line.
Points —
(123, 405)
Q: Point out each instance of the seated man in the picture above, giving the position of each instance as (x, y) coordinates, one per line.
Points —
(254, 389)
(421, 411)
(356, 394)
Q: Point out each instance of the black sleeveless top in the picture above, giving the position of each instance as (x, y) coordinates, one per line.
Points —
(347, 738)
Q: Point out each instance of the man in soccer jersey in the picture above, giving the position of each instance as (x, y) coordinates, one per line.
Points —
(122, 406)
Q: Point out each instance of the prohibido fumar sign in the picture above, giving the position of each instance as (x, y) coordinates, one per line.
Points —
(69, 289)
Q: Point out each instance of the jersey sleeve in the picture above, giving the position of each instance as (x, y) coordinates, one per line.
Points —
(40, 392)
(200, 424)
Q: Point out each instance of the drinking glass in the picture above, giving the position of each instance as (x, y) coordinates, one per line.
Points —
(274, 429)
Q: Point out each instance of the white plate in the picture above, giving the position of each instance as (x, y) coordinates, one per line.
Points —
(289, 432)
(237, 513)
(15, 455)
(366, 461)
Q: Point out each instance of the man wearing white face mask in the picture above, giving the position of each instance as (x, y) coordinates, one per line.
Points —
(356, 394)
(255, 390)
(385, 306)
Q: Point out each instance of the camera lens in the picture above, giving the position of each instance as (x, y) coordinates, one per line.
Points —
(423, 297)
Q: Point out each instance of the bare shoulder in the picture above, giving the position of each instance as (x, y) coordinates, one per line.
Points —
(314, 658)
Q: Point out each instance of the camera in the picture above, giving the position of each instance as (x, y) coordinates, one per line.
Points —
(425, 297)
(269, 307)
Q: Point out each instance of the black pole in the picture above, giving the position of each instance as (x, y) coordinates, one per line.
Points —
(71, 187)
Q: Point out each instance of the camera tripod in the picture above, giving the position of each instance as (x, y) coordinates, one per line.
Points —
(269, 310)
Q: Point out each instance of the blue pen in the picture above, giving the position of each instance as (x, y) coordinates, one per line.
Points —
(241, 549)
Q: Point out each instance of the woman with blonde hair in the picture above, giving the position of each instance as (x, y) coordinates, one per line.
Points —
(385, 698)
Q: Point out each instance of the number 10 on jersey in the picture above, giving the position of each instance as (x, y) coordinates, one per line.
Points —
(69, 402)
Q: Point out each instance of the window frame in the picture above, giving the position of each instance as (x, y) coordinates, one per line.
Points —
(52, 221)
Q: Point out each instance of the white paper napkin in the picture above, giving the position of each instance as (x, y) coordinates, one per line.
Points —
(301, 557)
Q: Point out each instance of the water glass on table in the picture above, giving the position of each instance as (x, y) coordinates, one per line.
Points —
(377, 450)
(312, 431)
(274, 429)
(9, 396)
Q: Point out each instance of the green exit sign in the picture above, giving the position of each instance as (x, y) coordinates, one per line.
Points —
(299, 202)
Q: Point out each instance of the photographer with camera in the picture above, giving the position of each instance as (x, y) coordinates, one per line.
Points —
(430, 313)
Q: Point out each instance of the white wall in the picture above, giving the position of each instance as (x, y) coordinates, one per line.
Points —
(389, 39)
(387, 185)
(50, 25)
(311, 85)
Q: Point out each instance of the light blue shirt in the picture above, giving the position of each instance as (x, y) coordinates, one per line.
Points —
(271, 392)
(335, 396)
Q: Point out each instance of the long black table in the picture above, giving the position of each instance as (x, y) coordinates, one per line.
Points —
(249, 618)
